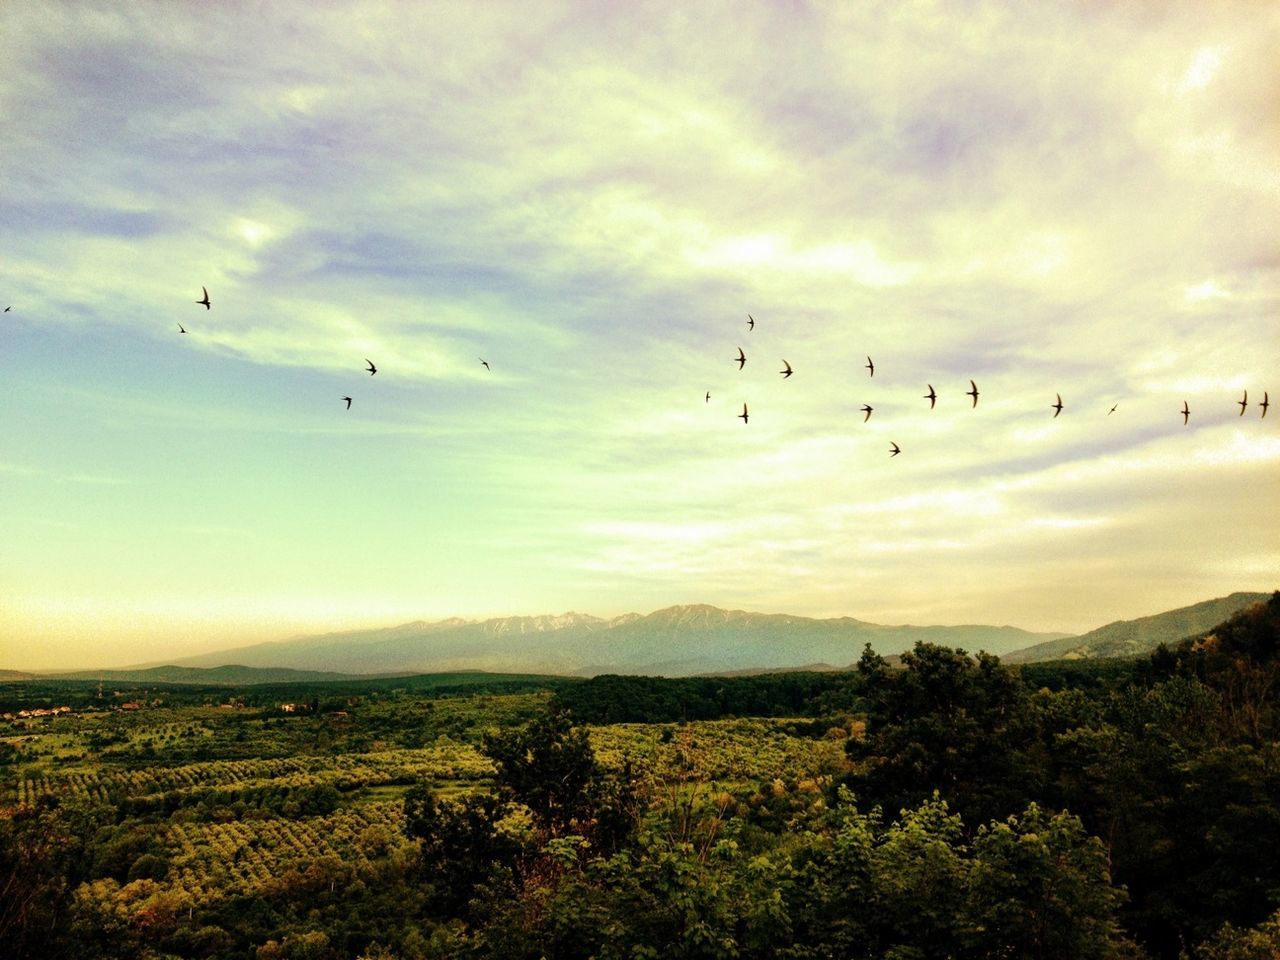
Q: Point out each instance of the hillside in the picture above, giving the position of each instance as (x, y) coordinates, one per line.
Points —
(233, 675)
(677, 641)
(1132, 638)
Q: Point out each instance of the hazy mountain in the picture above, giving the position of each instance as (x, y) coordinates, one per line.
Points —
(222, 675)
(677, 641)
(1131, 638)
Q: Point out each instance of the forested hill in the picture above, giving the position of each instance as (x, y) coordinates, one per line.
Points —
(1133, 638)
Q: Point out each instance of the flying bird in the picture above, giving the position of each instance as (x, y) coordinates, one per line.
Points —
(931, 397)
(870, 366)
(1112, 410)
(371, 368)
(972, 393)
(708, 400)
(893, 449)
(7, 309)
(1243, 403)
(787, 372)
(1057, 407)
(205, 301)
(743, 415)
(181, 328)
(348, 399)
(1186, 412)
(751, 322)
(867, 411)
(485, 362)
(742, 358)
(1266, 402)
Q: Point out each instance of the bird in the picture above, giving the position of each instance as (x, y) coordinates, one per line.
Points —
(181, 328)
(371, 368)
(751, 322)
(1243, 403)
(787, 372)
(348, 399)
(743, 415)
(931, 397)
(485, 362)
(7, 309)
(893, 449)
(708, 400)
(1266, 402)
(205, 301)
(1057, 407)
(1186, 412)
(866, 409)
(1113, 409)
(972, 393)
(870, 366)
(742, 358)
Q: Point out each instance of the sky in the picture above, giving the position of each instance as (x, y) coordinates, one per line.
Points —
(1076, 198)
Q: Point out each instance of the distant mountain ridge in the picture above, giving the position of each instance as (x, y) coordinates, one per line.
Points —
(676, 641)
(1133, 638)
(224, 674)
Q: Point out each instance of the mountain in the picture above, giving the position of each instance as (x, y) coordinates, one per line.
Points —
(1132, 638)
(677, 641)
(231, 675)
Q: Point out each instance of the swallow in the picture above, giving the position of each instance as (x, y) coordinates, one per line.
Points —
(181, 328)
(348, 399)
(1243, 403)
(1186, 412)
(7, 309)
(751, 322)
(743, 415)
(1056, 407)
(1266, 402)
(485, 362)
(205, 301)
(787, 372)
(1112, 410)
(742, 358)
(870, 366)
(972, 393)
(867, 411)
(371, 368)
(708, 400)
(931, 397)
(893, 449)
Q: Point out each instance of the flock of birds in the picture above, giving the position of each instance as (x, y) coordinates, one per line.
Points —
(786, 372)
(973, 393)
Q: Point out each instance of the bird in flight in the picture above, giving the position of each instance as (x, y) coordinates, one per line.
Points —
(7, 309)
(371, 368)
(348, 399)
(205, 301)
(866, 410)
(870, 366)
(751, 322)
(893, 449)
(1112, 410)
(787, 372)
(931, 397)
(1057, 407)
(743, 415)
(485, 362)
(972, 393)
(742, 358)
(1186, 412)
(1243, 403)
(1266, 402)
(708, 400)
(181, 328)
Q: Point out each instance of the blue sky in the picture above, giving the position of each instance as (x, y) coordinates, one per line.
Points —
(1075, 199)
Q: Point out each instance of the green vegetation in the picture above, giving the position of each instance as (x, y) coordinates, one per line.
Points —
(949, 806)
